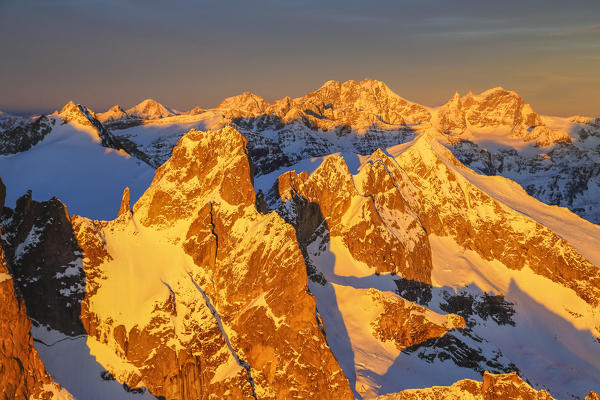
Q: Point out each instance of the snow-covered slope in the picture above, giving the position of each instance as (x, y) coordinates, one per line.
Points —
(529, 297)
(156, 138)
(566, 173)
(71, 164)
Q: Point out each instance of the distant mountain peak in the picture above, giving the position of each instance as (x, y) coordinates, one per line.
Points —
(194, 111)
(365, 84)
(69, 104)
(499, 91)
(76, 112)
(245, 104)
(116, 108)
(112, 114)
(149, 109)
(580, 119)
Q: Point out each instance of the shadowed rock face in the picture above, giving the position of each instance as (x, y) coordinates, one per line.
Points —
(493, 387)
(22, 374)
(230, 314)
(45, 261)
(24, 135)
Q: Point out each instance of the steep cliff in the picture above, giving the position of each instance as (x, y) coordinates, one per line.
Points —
(196, 294)
(22, 374)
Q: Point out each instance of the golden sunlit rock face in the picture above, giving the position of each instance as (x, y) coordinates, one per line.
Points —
(341, 245)
(351, 105)
(230, 305)
(394, 241)
(493, 387)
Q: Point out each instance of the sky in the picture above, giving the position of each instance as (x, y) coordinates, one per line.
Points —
(196, 53)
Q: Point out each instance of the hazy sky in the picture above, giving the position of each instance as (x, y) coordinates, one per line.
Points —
(188, 53)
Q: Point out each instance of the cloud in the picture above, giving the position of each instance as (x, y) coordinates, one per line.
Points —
(576, 31)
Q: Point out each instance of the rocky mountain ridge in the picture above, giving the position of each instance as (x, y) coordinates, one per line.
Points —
(261, 264)
(495, 132)
(491, 388)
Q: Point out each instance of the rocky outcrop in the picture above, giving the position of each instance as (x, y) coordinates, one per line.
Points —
(45, 261)
(22, 374)
(494, 387)
(407, 324)
(231, 315)
(23, 134)
(366, 113)
(592, 396)
(451, 116)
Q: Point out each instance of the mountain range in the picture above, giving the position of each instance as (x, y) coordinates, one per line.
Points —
(347, 244)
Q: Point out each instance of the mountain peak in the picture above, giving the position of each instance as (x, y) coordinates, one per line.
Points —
(451, 116)
(499, 91)
(77, 113)
(112, 114)
(360, 105)
(194, 111)
(366, 84)
(69, 107)
(149, 109)
(116, 108)
(244, 104)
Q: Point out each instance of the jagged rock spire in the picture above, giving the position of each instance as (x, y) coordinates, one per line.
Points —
(125, 207)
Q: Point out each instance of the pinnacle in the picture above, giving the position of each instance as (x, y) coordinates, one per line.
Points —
(125, 206)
